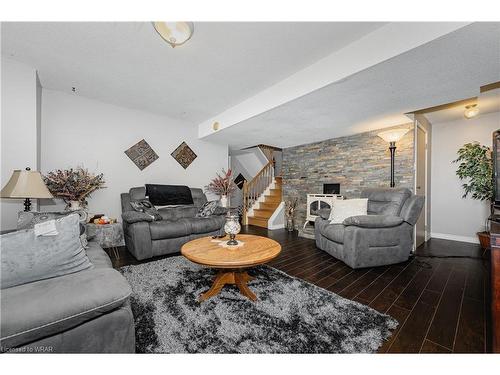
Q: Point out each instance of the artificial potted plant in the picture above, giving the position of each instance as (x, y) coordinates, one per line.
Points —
(74, 186)
(222, 185)
(476, 170)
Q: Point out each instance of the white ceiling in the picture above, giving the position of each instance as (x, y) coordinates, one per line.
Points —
(447, 69)
(487, 102)
(128, 64)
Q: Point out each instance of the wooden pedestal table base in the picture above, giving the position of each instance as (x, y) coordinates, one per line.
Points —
(232, 261)
(236, 277)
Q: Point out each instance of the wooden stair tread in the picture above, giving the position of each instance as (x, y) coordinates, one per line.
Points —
(257, 222)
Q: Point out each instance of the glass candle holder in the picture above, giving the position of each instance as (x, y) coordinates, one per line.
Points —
(232, 227)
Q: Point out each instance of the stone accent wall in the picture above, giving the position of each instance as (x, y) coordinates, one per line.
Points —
(356, 162)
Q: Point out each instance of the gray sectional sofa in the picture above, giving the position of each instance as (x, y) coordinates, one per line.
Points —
(384, 236)
(83, 312)
(147, 239)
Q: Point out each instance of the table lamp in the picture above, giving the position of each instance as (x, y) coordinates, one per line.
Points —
(25, 185)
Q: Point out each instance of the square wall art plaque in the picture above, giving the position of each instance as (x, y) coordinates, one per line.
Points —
(184, 155)
(141, 154)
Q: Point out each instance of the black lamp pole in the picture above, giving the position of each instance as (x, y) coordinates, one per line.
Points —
(27, 201)
(392, 149)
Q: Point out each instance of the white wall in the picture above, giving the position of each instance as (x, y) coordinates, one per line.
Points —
(452, 216)
(79, 131)
(19, 144)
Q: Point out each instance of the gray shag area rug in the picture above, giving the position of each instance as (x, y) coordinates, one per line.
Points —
(290, 315)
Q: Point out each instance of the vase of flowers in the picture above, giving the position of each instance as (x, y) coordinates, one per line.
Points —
(222, 185)
(290, 206)
(74, 186)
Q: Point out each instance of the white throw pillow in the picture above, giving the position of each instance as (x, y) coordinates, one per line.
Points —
(342, 209)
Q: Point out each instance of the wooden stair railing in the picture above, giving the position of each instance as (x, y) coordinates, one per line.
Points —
(253, 189)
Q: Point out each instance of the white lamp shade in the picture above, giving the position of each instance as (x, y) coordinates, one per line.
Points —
(174, 33)
(25, 184)
(393, 135)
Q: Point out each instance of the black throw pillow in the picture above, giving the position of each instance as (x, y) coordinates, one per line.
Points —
(166, 195)
(146, 207)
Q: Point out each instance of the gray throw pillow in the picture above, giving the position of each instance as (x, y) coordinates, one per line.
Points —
(26, 257)
(207, 209)
(27, 220)
(145, 206)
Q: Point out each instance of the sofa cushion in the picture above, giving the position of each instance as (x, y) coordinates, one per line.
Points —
(98, 256)
(26, 257)
(334, 232)
(146, 207)
(179, 212)
(39, 309)
(206, 224)
(207, 209)
(386, 201)
(199, 197)
(169, 229)
(131, 217)
(342, 209)
(137, 193)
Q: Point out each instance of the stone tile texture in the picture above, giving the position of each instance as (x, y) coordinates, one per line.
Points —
(356, 162)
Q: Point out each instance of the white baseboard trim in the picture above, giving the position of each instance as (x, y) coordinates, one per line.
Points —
(453, 237)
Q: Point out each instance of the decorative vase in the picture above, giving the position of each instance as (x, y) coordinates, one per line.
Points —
(77, 207)
(74, 206)
(223, 200)
(289, 224)
(232, 228)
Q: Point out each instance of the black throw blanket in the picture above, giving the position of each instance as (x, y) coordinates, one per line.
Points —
(165, 195)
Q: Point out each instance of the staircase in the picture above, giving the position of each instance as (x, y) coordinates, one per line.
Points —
(262, 195)
(264, 209)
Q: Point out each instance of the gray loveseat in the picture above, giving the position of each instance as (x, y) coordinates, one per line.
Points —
(82, 312)
(146, 239)
(384, 236)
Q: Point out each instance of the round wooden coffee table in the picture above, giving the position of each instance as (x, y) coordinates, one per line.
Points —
(231, 261)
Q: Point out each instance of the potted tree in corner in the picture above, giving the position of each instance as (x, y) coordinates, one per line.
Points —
(476, 170)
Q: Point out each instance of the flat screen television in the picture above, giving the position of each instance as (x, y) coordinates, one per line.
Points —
(496, 167)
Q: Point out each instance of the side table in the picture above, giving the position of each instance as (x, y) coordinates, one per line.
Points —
(108, 236)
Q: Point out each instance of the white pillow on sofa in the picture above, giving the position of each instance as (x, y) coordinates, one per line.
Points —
(342, 209)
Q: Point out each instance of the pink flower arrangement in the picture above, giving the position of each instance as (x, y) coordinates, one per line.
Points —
(223, 184)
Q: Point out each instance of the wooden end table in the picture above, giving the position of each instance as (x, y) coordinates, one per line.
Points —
(231, 261)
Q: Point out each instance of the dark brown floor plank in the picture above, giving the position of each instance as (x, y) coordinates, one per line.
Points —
(430, 347)
(400, 315)
(375, 288)
(412, 334)
(408, 298)
(470, 337)
(387, 297)
(444, 325)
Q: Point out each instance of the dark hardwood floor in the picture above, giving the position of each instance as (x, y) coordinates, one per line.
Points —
(441, 302)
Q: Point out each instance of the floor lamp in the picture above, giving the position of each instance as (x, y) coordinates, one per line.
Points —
(25, 185)
(392, 136)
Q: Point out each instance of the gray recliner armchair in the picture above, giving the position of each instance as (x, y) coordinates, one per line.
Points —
(384, 236)
(146, 238)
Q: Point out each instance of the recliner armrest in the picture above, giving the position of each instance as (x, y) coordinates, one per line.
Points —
(131, 217)
(373, 221)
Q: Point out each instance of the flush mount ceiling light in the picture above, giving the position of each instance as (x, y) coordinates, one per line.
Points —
(471, 111)
(174, 33)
